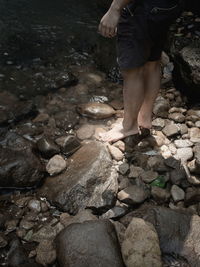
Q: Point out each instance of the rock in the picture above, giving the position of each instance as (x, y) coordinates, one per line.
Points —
(135, 171)
(194, 134)
(148, 176)
(115, 213)
(160, 195)
(125, 182)
(184, 154)
(177, 117)
(197, 124)
(178, 234)
(141, 245)
(192, 196)
(123, 168)
(69, 144)
(71, 249)
(133, 195)
(84, 184)
(120, 144)
(183, 128)
(86, 131)
(177, 193)
(96, 110)
(170, 130)
(3, 242)
(26, 225)
(161, 107)
(34, 205)
(183, 143)
(158, 123)
(120, 230)
(177, 176)
(56, 165)
(195, 112)
(117, 104)
(157, 163)
(20, 167)
(13, 110)
(194, 166)
(66, 120)
(177, 110)
(192, 118)
(42, 117)
(115, 153)
(47, 147)
(80, 217)
(46, 253)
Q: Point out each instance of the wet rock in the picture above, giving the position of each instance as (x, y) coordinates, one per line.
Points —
(141, 245)
(86, 131)
(66, 120)
(194, 134)
(46, 253)
(177, 193)
(133, 195)
(34, 205)
(71, 249)
(47, 147)
(160, 195)
(184, 154)
(161, 107)
(177, 117)
(56, 165)
(13, 110)
(84, 184)
(148, 176)
(115, 153)
(69, 144)
(20, 167)
(158, 123)
(170, 130)
(183, 143)
(96, 110)
(178, 234)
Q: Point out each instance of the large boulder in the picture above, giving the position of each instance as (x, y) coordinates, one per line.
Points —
(20, 167)
(89, 244)
(89, 181)
(179, 235)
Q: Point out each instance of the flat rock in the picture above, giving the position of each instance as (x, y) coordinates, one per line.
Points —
(84, 184)
(177, 193)
(170, 130)
(178, 234)
(73, 252)
(133, 194)
(141, 245)
(183, 143)
(95, 110)
(56, 165)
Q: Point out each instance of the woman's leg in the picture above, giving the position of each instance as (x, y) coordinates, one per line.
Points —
(133, 95)
(152, 76)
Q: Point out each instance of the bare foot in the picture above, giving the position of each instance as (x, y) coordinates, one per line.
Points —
(116, 133)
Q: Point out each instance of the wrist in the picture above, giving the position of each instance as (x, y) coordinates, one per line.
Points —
(115, 7)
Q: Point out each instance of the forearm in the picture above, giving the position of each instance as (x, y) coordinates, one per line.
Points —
(119, 4)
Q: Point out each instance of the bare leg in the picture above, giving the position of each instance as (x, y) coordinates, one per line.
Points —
(152, 76)
(133, 94)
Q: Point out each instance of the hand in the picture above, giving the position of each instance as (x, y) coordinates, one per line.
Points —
(108, 24)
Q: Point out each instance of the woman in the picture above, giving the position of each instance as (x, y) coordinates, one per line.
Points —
(141, 27)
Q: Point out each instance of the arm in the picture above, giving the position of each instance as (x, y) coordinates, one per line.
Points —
(108, 24)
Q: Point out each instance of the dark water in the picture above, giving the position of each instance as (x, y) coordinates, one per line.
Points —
(38, 35)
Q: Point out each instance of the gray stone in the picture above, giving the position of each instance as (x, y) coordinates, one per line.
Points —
(177, 193)
(45, 253)
(177, 117)
(66, 120)
(177, 176)
(47, 147)
(161, 107)
(69, 144)
(148, 176)
(56, 165)
(123, 168)
(192, 196)
(86, 131)
(160, 195)
(141, 245)
(73, 252)
(34, 205)
(158, 123)
(183, 143)
(184, 154)
(135, 171)
(90, 181)
(133, 194)
(170, 130)
(194, 134)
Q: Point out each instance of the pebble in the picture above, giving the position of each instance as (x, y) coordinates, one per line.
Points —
(34, 205)
(183, 143)
(45, 253)
(115, 153)
(177, 117)
(158, 123)
(160, 195)
(120, 144)
(170, 130)
(194, 135)
(123, 168)
(184, 154)
(148, 176)
(177, 193)
(56, 165)
(86, 131)
(135, 171)
(133, 195)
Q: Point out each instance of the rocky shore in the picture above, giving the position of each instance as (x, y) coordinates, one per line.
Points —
(81, 201)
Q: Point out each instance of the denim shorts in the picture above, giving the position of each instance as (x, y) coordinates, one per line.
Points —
(142, 31)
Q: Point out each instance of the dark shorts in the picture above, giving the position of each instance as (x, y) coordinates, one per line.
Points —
(142, 31)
